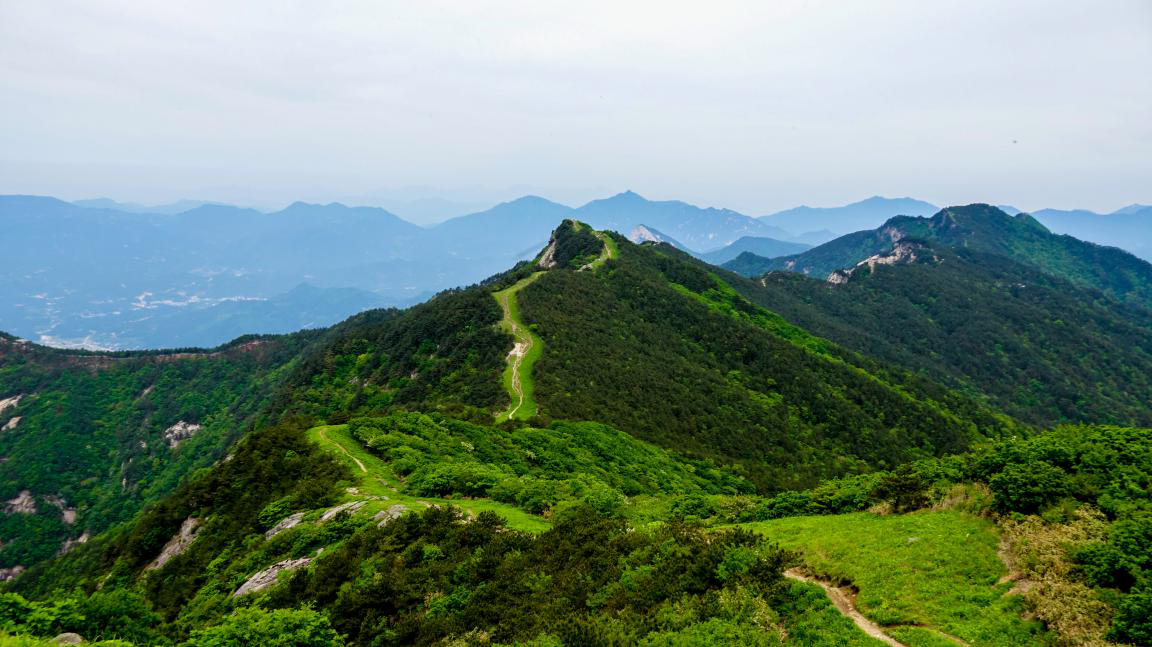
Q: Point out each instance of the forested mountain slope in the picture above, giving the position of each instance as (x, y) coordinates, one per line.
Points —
(983, 228)
(88, 439)
(655, 344)
(1038, 347)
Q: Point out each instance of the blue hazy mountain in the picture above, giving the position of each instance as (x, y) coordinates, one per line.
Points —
(168, 209)
(866, 214)
(1129, 228)
(697, 228)
(813, 238)
(758, 245)
(509, 227)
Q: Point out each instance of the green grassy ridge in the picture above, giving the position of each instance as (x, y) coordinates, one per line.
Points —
(523, 405)
(380, 480)
(537, 469)
(937, 569)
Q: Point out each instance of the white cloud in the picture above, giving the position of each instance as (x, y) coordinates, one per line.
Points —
(756, 105)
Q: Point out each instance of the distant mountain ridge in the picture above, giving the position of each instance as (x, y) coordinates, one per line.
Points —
(74, 275)
(865, 214)
(758, 245)
(1044, 350)
(987, 229)
(1129, 228)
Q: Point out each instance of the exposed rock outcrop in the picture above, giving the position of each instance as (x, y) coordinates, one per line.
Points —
(267, 577)
(350, 507)
(180, 432)
(11, 573)
(67, 515)
(291, 521)
(8, 403)
(11, 424)
(68, 638)
(548, 258)
(23, 503)
(904, 252)
(393, 513)
(69, 544)
(177, 544)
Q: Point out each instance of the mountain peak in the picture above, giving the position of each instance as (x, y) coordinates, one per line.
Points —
(572, 245)
(1130, 209)
(529, 201)
(627, 196)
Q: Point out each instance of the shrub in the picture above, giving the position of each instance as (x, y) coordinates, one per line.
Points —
(256, 626)
(1028, 487)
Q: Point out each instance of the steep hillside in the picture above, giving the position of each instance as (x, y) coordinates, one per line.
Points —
(1036, 346)
(649, 340)
(89, 439)
(987, 229)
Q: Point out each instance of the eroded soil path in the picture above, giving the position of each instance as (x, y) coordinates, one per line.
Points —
(844, 599)
(323, 433)
(526, 348)
(845, 603)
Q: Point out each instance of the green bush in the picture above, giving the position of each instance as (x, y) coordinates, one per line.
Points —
(1133, 621)
(1028, 487)
(256, 626)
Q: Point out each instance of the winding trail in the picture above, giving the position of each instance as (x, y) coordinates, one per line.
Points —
(607, 252)
(526, 349)
(844, 600)
(846, 606)
(323, 433)
(527, 346)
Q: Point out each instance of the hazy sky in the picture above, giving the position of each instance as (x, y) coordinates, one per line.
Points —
(753, 105)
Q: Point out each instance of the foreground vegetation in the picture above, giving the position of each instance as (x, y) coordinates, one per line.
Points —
(920, 575)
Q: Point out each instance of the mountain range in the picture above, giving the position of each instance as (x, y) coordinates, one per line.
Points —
(609, 442)
(982, 228)
(103, 274)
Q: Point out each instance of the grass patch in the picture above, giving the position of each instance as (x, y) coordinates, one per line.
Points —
(919, 574)
(810, 618)
(518, 376)
(377, 479)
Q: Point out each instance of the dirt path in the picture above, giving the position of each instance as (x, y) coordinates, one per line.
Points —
(607, 252)
(846, 606)
(523, 353)
(324, 434)
(516, 355)
(845, 602)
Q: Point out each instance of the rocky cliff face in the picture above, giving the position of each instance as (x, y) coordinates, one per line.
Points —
(904, 252)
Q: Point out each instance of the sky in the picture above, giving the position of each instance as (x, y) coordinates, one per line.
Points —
(757, 106)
